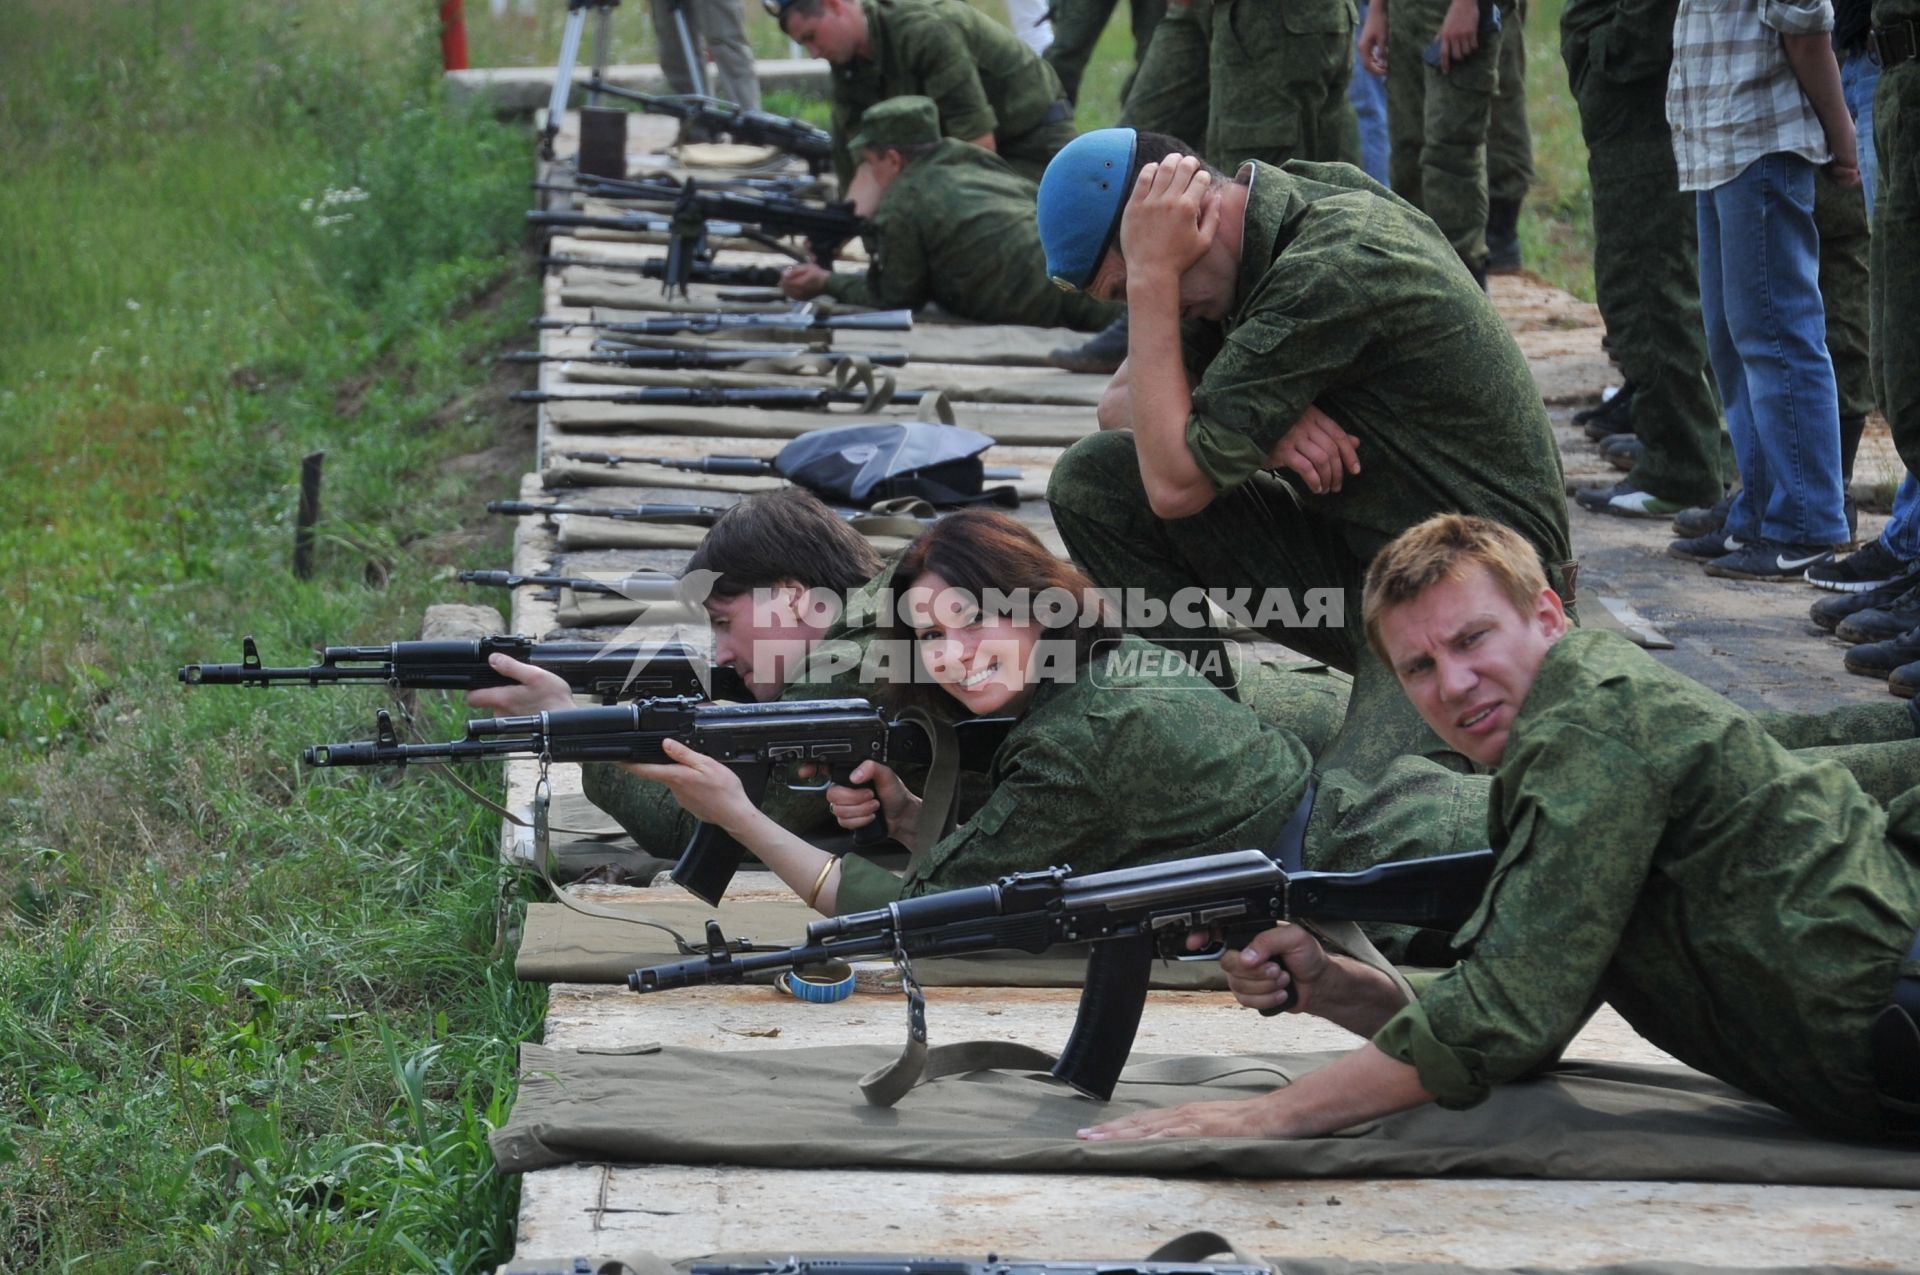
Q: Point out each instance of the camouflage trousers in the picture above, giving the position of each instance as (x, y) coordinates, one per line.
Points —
(1438, 123)
(1646, 277)
(1029, 153)
(1895, 286)
(1242, 79)
(1255, 539)
(1509, 139)
(1840, 215)
(1077, 27)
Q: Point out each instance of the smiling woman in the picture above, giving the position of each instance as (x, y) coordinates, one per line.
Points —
(1116, 758)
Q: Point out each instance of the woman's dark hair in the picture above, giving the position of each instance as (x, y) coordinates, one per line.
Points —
(788, 534)
(992, 556)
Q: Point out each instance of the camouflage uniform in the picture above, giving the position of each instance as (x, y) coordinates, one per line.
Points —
(1077, 27)
(1306, 704)
(1896, 243)
(1745, 911)
(1840, 216)
(957, 227)
(1363, 310)
(1509, 140)
(1646, 273)
(1128, 768)
(1244, 79)
(983, 78)
(1438, 124)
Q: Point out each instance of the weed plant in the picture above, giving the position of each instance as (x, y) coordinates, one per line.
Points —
(249, 1020)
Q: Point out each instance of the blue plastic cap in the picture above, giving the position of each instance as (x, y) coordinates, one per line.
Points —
(1082, 195)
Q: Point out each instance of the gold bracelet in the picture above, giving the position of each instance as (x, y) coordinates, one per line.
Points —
(814, 894)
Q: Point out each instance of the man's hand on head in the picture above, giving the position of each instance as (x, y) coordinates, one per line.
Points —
(1170, 220)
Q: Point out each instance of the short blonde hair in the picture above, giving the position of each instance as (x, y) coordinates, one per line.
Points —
(1449, 547)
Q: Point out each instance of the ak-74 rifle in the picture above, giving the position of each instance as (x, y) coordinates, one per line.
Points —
(684, 515)
(612, 354)
(801, 318)
(699, 271)
(798, 138)
(608, 671)
(768, 397)
(1126, 917)
(750, 739)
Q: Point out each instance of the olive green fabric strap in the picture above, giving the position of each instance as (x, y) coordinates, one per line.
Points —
(940, 791)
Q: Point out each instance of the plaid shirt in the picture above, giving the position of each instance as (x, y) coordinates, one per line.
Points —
(1732, 96)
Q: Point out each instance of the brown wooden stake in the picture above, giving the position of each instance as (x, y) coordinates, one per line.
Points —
(309, 515)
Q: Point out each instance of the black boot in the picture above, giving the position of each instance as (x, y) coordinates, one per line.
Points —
(1615, 416)
(1104, 351)
(1503, 236)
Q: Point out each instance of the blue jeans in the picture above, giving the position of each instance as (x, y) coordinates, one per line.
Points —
(1767, 341)
(1368, 93)
(1858, 78)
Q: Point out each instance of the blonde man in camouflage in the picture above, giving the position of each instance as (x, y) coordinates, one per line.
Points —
(952, 225)
(1750, 913)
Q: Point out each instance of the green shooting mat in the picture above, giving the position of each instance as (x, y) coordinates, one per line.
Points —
(559, 945)
(1584, 1121)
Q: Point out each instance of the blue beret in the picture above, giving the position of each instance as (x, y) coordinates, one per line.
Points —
(1082, 195)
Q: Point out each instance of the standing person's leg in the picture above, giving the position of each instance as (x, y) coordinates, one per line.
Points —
(1509, 145)
(1776, 320)
(1895, 280)
(1143, 20)
(723, 30)
(1279, 83)
(1647, 282)
(1453, 164)
(1368, 94)
(1859, 78)
(1077, 25)
(1840, 220)
(1171, 90)
(666, 39)
(1749, 506)
(1406, 95)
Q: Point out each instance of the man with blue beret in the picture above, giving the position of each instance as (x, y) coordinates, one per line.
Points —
(952, 224)
(1339, 377)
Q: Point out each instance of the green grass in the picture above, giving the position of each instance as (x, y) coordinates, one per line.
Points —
(248, 1020)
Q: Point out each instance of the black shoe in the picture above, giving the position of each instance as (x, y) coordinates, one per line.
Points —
(1880, 659)
(1870, 568)
(1877, 624)
(1711, 547)
(1615, 416)
(1503, 236)
(1103, 352)
(1905, 682)
(1698, 522)
(1769, 560)
(1622, 451)
(1829, 612)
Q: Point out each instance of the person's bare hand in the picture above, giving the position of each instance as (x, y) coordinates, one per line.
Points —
(1459, 33)
(705, 788)
(1170, 219)
(534, 690)
(1373, 41)
(1844, 167)
(1319, 450)
(1285, 960)
(803, 282)
(1246, 1118)
(876, 793)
